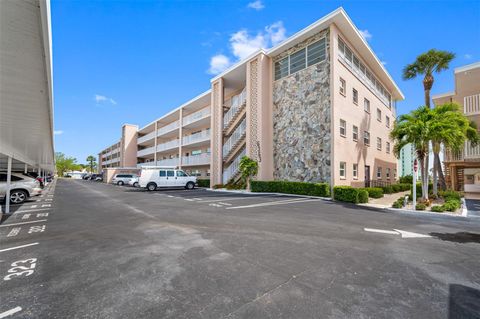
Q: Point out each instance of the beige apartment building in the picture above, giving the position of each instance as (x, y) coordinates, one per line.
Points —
(462, 169)
(318, 107)
(121, 153)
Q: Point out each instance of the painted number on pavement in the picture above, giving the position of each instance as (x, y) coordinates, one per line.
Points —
(37, 229)
(21, 268)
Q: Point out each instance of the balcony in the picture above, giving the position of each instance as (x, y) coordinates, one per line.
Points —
(140, 165)
(197, 137)
(145, 138)
(237, 103)
(468, 154)
(167, 145)
(146, 151)
(168, 162)
(234, 168)
(202, 159)
(471, 104)
(167, 128)
(233, 140)
(203, 113)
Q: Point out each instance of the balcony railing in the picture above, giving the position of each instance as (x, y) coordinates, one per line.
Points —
(197, 137)
(234, 138)
(147, 137)
(467, 154)
(234, 168)
(236, 103)
(140, 165)
(167, 145)
(202, 159)
(168, 128)
(146, 151)
(196, 116)
(110, 161)
(168, 162)
(471, 104)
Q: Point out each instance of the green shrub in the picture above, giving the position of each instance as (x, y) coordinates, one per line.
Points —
(396, 188)
(285, 187)
(388, 189)
(203, 182)
(405, 187)
(452, 205)
(438, 209)
(420, 206)
(362, 196)
(397, 204)
(408, 179)
(374, 192)
(450, 195)
(346, 194)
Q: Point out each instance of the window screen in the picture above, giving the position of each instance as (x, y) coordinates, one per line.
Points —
(316, 52)
(297, 61)
(281, 68)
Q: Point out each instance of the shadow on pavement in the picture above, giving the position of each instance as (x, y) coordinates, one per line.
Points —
(464, 302)
(460, 237)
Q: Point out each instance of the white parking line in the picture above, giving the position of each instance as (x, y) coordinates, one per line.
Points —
(10, 312)
(231, 198)
(18, 247)
(30, 210)
(284, 202)
(383, 231)
(15, 224)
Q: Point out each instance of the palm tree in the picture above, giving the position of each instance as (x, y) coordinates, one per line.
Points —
(92, 160)
(426, 64)
(414, 128)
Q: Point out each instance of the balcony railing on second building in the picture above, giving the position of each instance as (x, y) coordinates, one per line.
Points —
(468, 153)
(471, 104)
(202, 159)
(205, 112)
(197, 137)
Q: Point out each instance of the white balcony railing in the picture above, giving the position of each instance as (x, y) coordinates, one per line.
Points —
(111, 161)
(140, 165)
(146, 151)
(147, 137)
(205, 112)
(168, 162)
(471, 104)
(234, 138)
(202, 159)
(468, 153)
(236, 103)
(197, 137)
(168, 128)
(233, 169)
(167, 145)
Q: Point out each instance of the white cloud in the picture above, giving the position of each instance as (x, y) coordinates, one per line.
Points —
(102, 98)
(366, 34)
(468, 56)
(257, 5)
(59, 132)
(219, 63)
(384, 62)
(243, 44)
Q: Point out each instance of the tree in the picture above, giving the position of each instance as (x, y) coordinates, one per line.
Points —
(248, 169)
(426, 64)
(92, 162)
(64, 163)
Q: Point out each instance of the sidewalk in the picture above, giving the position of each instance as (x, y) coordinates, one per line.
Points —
(386, 201)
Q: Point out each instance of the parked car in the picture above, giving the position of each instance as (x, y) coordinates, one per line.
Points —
(98, 178)
(122, 179)
(134, 181)
(153, 177)
(86, 176)
(21, 187)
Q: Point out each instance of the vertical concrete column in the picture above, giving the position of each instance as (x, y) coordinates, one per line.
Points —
(9, 180)
(216, 142)
(180, 138)
(156, 143)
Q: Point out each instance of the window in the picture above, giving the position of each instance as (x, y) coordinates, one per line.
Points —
(170, 173)
(379, 173)
(355, 133)
(297, 61)
(343, 87)
(281, 68)
(343, 170)
(387, 173)
(163, 173)
(13, 178)
(196, 152)
(394, 173)
(355, 96)
(343, 128)
(316, 52)
(181, 174)
(379, 143)
(387, 121)
(366, 138)
(387, 146)
(366, 105)
(379, 115)
(355, 171)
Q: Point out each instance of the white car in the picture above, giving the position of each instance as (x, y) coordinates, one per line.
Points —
(21, 187)
(152, 178)
(133, 182)
(122, 179)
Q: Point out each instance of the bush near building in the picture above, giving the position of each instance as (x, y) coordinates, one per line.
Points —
(374, 192)
(203, 182)
(420, 206)
(346, 194)
(285, 187)
(362, 196)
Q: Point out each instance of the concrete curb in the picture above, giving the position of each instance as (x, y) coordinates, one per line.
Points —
(235, 191)
(423, 212)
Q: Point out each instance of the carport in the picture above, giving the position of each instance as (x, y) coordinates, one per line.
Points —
(26, 98)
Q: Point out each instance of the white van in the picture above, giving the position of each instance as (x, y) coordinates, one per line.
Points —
(152, 177)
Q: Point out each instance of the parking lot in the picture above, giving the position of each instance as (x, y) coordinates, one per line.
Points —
(105, 251)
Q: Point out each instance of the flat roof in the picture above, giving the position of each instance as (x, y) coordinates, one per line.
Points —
(467, 67)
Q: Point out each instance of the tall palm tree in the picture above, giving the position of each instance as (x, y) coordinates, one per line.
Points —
(92, 160)
(414, 128)
(426, 64)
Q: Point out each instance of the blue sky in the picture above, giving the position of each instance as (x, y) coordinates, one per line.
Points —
(124, 61)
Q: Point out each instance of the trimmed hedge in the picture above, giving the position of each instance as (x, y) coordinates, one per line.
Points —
(362, 196)
(374, 192)
(285, 187)
(420, 206)
(438, 209)
(388, 189)
(346, 194)
(203, 182)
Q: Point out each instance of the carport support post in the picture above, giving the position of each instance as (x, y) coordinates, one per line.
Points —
(26, 169)
(9, 179)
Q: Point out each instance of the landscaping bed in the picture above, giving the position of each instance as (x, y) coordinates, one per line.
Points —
(447, 201)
